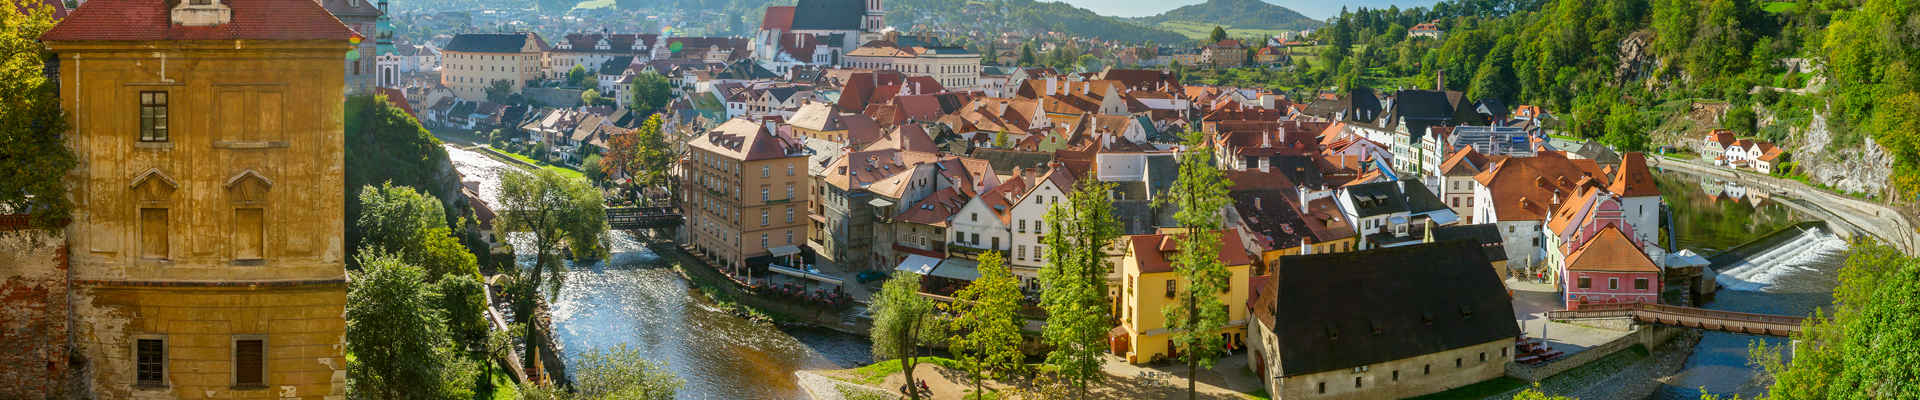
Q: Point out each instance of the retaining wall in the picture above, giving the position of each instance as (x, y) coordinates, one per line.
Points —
(1888, 225)
(1650, 335)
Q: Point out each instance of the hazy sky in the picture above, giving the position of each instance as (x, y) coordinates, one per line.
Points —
(1316, 9)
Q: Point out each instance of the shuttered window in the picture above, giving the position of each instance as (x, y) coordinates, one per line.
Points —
(250, 362)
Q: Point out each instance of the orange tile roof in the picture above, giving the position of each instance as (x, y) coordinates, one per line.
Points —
(1155, 252)
(1633, 178)
(1611, 251)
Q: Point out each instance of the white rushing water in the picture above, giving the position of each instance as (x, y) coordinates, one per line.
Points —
(1800, 255)
(476, 166)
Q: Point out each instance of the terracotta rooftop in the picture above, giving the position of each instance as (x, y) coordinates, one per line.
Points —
(151, 20)
(1155, 252)
(1610, 250)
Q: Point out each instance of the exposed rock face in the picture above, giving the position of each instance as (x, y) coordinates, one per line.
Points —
(1865, 167)
(1636, 59)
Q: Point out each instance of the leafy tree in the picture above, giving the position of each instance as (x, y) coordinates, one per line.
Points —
(399, 340)
(412, 226)
(578, 76)
(555, 212)
(902, 322)
(34, 161)
(500, 91)
(1196, 313)
(1495, 79)
(1624, 129)
(397, 151)
(591, 97)
(464, 299)
(1217, 35)
(591, 164)
(1862, 347)
(1075, 283)
(1740, 119)
(619, 373)
(986, 330)
(1027, 59)
(651, 93)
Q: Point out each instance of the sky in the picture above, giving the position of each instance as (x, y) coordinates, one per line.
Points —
(1320, 10)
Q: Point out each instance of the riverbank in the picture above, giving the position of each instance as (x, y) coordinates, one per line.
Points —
(1879, 220)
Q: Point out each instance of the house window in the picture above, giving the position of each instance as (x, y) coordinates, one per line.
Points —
(249, 360)
(1426, 370)
(1459, 362)
(975, 217)
(789, 191)
(1039, 200)
(153, 233)
(766, 171)
(1396, 375)
(1483, 357)
(1639, 283)
(789, 236)
(1323, 388)
(996, 246)
(763, 194)
(1023, 226)
(1356, 382)
(1172, 286)
(150, 361)
(1585, 282)
(789, 214)
(763, 240)
(763, 217)
(153, 116)
(1613, 283)
(976, 240)
(789, 169)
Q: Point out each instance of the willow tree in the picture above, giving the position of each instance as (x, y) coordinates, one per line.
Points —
(554, 212)
(902, 321)
(1074, 283)
(986, 334)
(1197, 313)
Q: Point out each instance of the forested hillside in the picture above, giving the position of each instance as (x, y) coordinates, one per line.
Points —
(1823, 78)
(1243, 14)
(1030, 14)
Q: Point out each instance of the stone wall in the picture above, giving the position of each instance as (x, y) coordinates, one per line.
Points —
(1650, 335)
(557, 98)
(1404, 378)
(33, 314)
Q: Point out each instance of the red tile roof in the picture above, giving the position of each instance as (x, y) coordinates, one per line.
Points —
(1610, 250)
(778, 17)
(1633, 178)
(1155, 252)
(399, 99)
(148, 20)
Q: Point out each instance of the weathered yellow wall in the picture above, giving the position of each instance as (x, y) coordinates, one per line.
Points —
(272, 108)
(1146, 327)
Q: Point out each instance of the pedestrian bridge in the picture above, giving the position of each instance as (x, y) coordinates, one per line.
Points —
(1687, 317)
(644, 217)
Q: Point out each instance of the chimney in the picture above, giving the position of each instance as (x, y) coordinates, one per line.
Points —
(1050, 85)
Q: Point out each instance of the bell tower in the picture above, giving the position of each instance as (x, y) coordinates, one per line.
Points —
(876, 16)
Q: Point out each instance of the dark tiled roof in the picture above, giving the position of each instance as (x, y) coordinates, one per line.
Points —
(1420, 200)
(1488, 235)
(1004, 161)
(148, 20)
(1370, 199)
(828, 15)
(616, 66)
(1337, 311)
(489, 42)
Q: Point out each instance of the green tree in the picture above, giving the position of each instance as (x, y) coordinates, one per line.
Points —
(1862, 347)
(1741, 120)
(1074, 283)
(651, 93)
(578, 76)
(398, 151)
(596, 175)
(34, 161)
(500, 91)
(1217, 35)
(986, 329)
(464, 299)
(412, 226)
(1027, 59)
(555, 212)
(399, 339)
(1495, 78)
(1624, 129)
(619, 373)
(1000, 140)
(1196, 313)
(591, 97)
(902, 322)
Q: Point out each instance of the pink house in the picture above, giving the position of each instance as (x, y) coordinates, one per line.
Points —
(1610, 268)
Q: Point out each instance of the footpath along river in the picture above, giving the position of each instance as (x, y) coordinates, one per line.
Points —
(635, 298)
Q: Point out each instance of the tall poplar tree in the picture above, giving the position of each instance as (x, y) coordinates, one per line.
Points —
(1074, 283)
(1197, 313)
(986, 335)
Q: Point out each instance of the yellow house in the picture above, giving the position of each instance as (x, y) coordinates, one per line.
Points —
(1149, 283)
(205, 246)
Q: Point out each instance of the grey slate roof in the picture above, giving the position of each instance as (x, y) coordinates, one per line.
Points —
(1599, 153)
(829, 15)
(1488, 235)
(1423, 298)
(1004, 161)
(1419, 199)
(616, 66)
(1377, 198)
(488, 43)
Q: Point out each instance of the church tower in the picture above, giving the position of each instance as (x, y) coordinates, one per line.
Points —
(386, 56)
(876, 16)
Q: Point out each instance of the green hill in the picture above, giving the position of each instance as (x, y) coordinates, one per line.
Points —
(1030, 14)
(1245, 15)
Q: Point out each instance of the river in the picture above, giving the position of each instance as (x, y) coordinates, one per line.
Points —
(635, 298)
(1792, 279)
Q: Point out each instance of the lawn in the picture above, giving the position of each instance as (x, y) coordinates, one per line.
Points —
(563, 171)
(1477, 391)
(592, 4)
(1776, 7)
(1199, 31)
(1259, 394)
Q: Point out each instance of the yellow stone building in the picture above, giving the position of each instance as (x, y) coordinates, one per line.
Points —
(206, 241)
(1150, 283)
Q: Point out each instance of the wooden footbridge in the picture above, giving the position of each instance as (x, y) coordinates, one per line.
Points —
(1687, 317)
(644, 217)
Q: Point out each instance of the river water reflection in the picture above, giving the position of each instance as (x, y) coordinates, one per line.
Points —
(635, 298)
(1710, 217)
